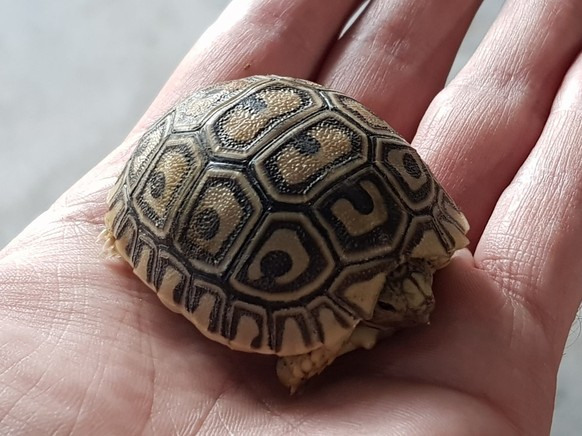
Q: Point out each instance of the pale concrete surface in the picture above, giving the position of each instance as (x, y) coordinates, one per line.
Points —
(77, 74)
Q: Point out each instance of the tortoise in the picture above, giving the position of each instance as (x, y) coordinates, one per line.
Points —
(281, 217)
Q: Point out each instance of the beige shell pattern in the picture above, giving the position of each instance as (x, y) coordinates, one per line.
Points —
(273, 213)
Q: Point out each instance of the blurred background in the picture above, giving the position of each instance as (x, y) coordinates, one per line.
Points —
(76, 75)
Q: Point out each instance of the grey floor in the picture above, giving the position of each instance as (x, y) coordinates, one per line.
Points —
(77, 74)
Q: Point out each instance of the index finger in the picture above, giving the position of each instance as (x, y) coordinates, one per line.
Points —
(256, 37)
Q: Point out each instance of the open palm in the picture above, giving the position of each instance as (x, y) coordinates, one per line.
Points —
(87, 348)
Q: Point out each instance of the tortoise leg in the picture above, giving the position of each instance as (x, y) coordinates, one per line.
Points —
(293, 371)
(108, 241)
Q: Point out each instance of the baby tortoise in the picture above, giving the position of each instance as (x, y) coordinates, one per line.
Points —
(281, 217)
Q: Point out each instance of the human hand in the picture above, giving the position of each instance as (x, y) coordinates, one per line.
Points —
(87, 348)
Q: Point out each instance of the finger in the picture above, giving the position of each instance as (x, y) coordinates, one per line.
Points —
(480, 129)
(257, 37)
(531, 245)
(397, 56)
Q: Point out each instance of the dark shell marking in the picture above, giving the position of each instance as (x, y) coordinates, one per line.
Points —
(255, 205)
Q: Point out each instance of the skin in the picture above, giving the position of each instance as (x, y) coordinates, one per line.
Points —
(87, 347)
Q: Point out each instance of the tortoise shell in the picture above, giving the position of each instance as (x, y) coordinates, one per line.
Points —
(272, 212)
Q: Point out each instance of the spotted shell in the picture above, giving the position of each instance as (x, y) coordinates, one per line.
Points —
(270, 211)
